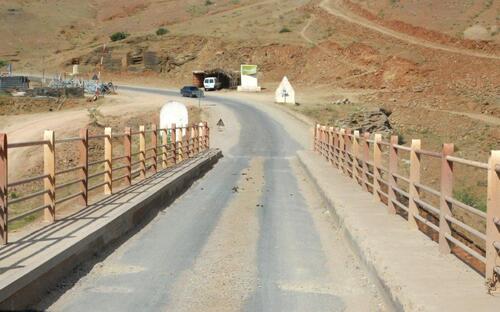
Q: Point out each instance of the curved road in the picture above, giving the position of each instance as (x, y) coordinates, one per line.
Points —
(336, 9)
(251, 235)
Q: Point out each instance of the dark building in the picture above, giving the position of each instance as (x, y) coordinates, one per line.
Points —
(14, 83)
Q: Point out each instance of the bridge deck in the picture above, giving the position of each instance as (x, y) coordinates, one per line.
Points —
(47, 254)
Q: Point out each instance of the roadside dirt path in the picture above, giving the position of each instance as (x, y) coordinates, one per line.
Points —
(336, 8)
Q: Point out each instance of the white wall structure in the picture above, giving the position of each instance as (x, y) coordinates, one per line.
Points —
(174, 113)
(249, 81)
(285, 92)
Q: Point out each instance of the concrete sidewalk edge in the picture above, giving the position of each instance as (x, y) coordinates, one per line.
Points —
(405, 287)
(29, 288)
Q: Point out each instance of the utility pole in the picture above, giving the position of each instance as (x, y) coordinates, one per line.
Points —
(43, 70)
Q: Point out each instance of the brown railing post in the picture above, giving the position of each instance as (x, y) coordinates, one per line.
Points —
(207, 135)
(195, 139)
(4, 175)
(127, 149)
(49, 169)
(198, 138)
(108, 163)
(342, 150)
(348, 149)
(334, 146)
(377, 164)
(315, 138)
(202, 135)
(331, 136)
(493, 218)
(188, 142)
(391, 179)
(142, 152)
(446, 191)
(164, 148)
(84, 163)
(355, 156)
(321, 134)
(180, 143)
(154, 142)
(173, 142)
(414, 179)
(325, 142)
(366, 159)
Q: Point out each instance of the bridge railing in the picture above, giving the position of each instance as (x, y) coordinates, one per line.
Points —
(471, 234)
(135, 160)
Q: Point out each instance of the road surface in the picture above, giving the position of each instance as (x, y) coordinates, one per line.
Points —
(252, 235)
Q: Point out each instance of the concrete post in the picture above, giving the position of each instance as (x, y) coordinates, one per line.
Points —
(49, 169)
(127, 148)
(342, 149)
(315, 140)
(414, 178)
(4, 175)
(84, 163)
(180, 145)
(197, 139)
(446, 191)
(201, 134)
(355, 156)
(366, 158)
(154, 142)
(334, 147)
(142, 152)
(208, 134)
(331, 136)
(188, 142)
(377, 163)
(164, 148)
(391, 179)
(493, 217)
(173, 142)
(108, 164)
(347, 150)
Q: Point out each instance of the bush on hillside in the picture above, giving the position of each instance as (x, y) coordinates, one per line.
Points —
(161, 31)
(117, 36)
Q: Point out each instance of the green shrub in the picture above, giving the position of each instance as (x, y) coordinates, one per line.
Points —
(161, 31)
(3, 63)
(466, 197)
(117, 36)
(208, 2)
(95, 116)
(285, 30)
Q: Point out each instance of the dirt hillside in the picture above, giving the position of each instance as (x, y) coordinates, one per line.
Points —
(419, 60)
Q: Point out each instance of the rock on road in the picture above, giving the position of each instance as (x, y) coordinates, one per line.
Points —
(251, 235)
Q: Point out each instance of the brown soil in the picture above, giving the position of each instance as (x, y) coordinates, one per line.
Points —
(26, 105)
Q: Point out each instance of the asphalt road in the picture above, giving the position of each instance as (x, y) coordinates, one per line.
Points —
(251, 235)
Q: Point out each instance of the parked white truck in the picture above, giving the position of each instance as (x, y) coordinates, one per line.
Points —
(212, 83)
